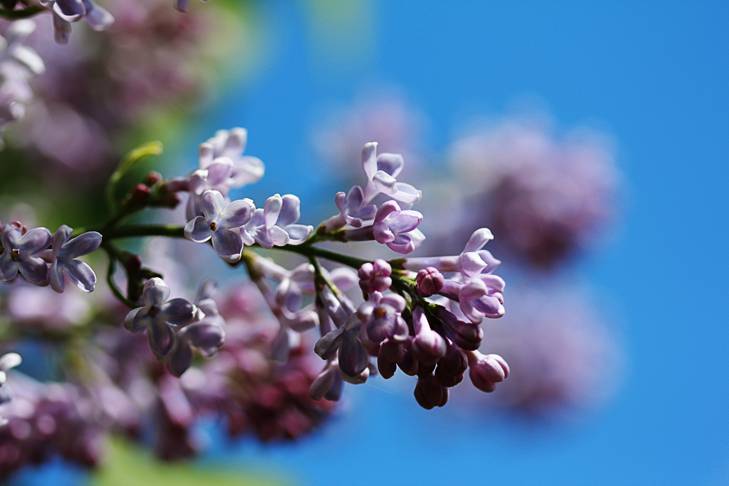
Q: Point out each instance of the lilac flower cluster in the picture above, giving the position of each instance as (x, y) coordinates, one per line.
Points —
(45, 420)
(18, 64)
(230, 225)
(41, 259)
(546, 197)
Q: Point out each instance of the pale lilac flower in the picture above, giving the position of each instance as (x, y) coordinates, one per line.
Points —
(381, 314)
(358, 207)
(328, 383)
(8, 361)
(382, 171)
(22, 255)
(220, 222)
(397, 228)
(161, 317)
(223, 167)
(276, 223)
(66, 12)
(344, 344)
(65, 252)
(472, 261)
(205, 335)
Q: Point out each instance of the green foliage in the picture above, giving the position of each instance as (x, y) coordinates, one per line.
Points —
(128, 465)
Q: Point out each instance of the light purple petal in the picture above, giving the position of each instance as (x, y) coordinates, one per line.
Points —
(82, 275)
(271, 210)
(198, 230)
(206, 337)
(8, 269)
(34, 240)
(61, 236)
(369, 159)
(34, 270)
(478, 239)
(391, 164)
(290, 210)
(99, 18)
(278, 236)
(228, 244)
(280, 346)
(219, 171)
(82, 245)
(298, 233)
(404, 221)
(237, 213)
(179, 358)
(56, 277)
(247, 170)
(155, 292)
(179, 312)
(211, 204)
(137, 319)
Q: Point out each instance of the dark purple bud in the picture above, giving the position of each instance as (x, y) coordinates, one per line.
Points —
(451, 367)
(429, 393)
(465, 335)
(487, 370)
(429, 281)
(386, 367)
(408, 363)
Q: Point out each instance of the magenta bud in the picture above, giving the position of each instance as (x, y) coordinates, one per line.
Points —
(429, 281)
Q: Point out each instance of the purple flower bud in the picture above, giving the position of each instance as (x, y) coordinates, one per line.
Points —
(397, 228)
(487, 370)
(429, 393)
(375, 276)
(428, 345)
(465, 335)
(327, 384)
(429, 281)
(451, 367)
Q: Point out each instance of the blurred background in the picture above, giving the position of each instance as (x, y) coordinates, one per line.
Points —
(592, 139)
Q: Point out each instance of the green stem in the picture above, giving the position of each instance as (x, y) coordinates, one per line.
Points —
(137, 230)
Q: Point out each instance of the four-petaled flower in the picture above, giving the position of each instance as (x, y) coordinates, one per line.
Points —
(220, 222)
(397, 228)
(275, 224)
(21, 254)
(161, 317)
(65, 252)
(382, 317)
(382, 171)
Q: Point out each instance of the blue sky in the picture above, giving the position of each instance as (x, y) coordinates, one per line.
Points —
(653, 74)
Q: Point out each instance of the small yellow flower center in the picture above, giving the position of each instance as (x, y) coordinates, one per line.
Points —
(213, 226)
(15, 254)
(379, 312)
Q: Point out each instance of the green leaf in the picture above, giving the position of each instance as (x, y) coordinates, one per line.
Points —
(140, 153)
(130, 465)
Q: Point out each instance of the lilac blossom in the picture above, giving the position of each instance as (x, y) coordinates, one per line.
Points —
(160, 316)
(381, 315)
(397, 228)
(276, 223)
(220, 222)
(65, 252)
(205, 335)
(22, 255)
(66, 12)
(223, 167)
(358, 207)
